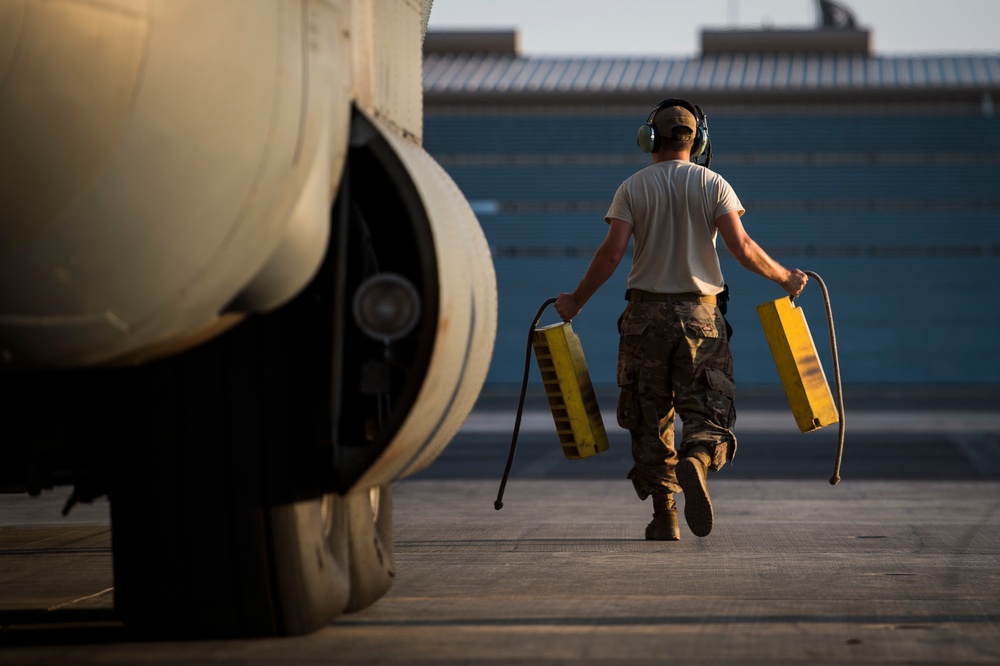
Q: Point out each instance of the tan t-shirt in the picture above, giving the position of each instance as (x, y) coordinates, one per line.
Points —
(672, 207)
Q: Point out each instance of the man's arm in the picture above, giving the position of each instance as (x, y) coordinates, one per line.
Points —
(753, 258)
(602, 267)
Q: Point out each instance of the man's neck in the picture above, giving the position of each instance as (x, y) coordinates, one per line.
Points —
(664, 155)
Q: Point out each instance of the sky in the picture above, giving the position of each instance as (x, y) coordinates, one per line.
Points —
(673, 27)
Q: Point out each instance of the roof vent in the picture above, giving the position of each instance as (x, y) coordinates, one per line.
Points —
(494, 42)
(824, 40)
(836, 31)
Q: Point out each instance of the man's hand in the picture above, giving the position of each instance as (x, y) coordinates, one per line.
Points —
(567, 306)
(795, 282)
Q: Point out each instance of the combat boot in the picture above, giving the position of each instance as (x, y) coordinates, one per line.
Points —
(691, 475)
(664, 525)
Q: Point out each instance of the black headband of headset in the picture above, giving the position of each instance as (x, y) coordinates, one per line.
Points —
(676, 101)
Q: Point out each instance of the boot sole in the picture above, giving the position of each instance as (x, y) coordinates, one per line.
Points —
(697, 504)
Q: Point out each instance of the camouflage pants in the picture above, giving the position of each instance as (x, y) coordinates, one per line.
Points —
(674, 359)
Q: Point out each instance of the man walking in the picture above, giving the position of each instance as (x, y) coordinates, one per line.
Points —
(674, 356)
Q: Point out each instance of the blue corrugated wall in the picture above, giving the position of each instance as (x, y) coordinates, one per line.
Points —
(899, 213)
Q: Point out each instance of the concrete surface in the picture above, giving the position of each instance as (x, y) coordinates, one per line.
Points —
(898, 564)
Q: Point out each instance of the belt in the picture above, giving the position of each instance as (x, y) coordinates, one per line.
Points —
(640, 296)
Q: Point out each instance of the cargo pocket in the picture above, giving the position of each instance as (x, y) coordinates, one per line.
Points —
(722, 391)
(629, 354)
(629, 350)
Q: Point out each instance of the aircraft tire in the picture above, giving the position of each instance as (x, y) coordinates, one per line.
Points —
(372, 559)
(221, 526)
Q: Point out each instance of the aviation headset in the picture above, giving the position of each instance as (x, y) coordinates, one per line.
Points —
(649, 138)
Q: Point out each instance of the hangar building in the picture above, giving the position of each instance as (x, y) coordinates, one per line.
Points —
(879, 173)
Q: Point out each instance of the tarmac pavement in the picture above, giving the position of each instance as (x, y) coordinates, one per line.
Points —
(897, 564)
